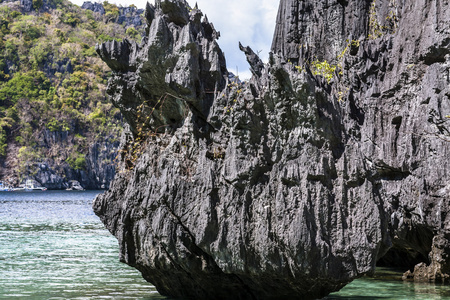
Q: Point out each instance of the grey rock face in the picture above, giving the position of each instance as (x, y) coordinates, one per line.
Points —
(128, 16)
(333, 157)
(439, 269)
(98, 172)
(95, 7)
(48, 178)
(27, 5)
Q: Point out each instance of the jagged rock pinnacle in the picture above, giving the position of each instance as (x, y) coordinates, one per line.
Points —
(332, 158)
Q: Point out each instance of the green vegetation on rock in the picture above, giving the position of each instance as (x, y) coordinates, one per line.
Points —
(53, 102)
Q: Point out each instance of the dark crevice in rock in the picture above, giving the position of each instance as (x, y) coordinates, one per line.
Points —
(402, 258)
(355, 112)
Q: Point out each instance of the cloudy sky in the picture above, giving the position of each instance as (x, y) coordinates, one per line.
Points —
(251, 22)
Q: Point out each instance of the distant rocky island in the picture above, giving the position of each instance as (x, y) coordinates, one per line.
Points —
(56, 125)
(332, 159)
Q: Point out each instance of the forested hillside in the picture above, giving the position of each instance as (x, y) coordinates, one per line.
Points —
(56, 124)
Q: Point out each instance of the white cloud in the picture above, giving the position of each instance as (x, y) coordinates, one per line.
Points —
(250, 22)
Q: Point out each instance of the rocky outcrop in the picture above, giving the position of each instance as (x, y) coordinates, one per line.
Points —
(95, 7)
(48, 178)
(55, 173)
(28, 6)
(439, 269)
(97, 173)
(128, 16)
(331, 159)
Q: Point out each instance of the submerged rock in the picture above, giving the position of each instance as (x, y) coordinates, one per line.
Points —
(333, 157)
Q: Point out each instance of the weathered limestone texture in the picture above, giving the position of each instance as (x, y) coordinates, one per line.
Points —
(333, 157)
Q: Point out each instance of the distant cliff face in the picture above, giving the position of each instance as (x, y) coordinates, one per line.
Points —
(334, 157)
(56, 125)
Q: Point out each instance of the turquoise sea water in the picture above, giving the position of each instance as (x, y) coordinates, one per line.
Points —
(52, 246)
(388, 285)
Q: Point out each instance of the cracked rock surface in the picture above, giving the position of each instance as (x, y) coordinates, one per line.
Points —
(334, 156)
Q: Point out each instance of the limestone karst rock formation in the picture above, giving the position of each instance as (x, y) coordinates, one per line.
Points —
(333, 157)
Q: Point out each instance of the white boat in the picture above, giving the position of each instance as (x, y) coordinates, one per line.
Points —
(5, 187)
(30, 186)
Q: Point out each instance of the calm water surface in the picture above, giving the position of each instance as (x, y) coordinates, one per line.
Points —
(388, 285)
(52, 246)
